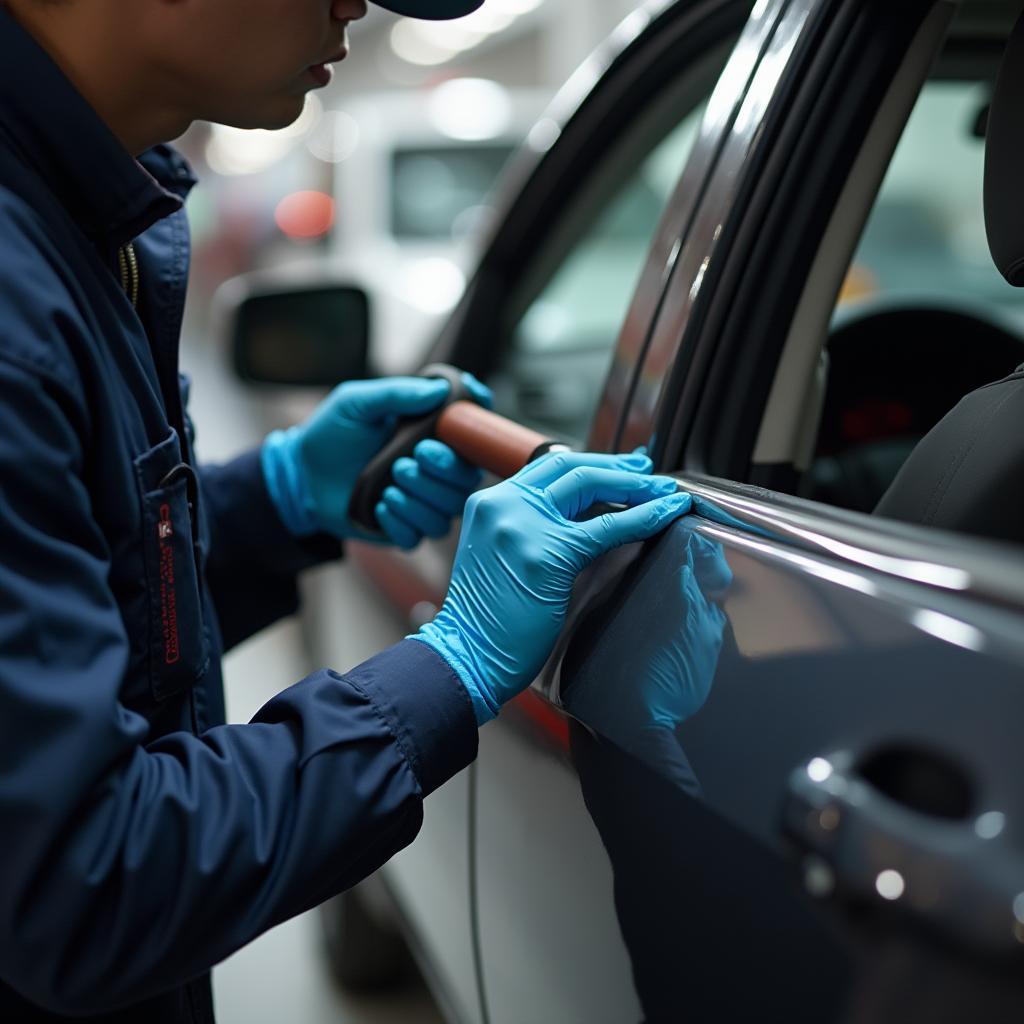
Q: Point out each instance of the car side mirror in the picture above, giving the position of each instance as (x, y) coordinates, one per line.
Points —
(300, 335)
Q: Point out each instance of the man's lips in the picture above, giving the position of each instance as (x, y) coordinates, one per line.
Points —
(322, 72)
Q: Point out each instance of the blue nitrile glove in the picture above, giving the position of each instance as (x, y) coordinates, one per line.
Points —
(519, 553)
(311, 469)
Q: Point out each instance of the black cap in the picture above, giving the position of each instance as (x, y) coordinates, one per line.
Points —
(431, 10)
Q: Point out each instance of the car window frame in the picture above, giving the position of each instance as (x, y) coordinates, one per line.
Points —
(989, 572)
(790, 417)
(704, 412)
(571, 238)
(582, 127)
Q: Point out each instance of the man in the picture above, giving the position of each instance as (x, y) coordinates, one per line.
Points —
(141, 840)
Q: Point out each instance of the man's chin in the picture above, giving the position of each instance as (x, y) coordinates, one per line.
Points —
(272, 116)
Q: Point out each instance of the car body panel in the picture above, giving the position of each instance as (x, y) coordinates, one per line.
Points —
(537, 850)
(831, 646)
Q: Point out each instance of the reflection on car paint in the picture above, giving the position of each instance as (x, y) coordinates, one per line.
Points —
(881, 547)
(715, 930)
(636, 694)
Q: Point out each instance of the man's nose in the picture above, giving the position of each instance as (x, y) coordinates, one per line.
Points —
(348, 10)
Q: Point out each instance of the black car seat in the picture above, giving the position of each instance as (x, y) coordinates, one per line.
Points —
(967, 473)
(892, 376)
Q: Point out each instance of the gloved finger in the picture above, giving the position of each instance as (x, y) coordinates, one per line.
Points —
(415, 513)
(437, 459)
(548, 468)
(400, 533)
(481, 393)
(577, 490)
(413, 479)
(633, 524)
(371, 401)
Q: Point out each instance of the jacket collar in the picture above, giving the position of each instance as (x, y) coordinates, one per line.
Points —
(49, 125)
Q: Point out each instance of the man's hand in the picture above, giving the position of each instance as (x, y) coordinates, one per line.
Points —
(521, 548)
(312, 468)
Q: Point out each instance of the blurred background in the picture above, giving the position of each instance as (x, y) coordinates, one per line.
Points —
(388, 171)
(385, 181)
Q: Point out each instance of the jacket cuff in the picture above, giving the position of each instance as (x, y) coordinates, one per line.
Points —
(426, 706)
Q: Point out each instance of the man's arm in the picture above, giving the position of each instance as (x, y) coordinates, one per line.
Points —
(131, 865)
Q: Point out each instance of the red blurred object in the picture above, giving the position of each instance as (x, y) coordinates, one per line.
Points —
(874, 418)
(305, 214)
(551, 724)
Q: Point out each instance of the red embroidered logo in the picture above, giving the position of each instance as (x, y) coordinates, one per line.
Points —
(168, 598)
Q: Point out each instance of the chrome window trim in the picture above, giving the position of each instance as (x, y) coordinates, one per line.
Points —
(727, 100)
(700, 243)
(987, 571)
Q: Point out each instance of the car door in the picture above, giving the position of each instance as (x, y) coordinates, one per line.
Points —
(838, 719)
(549, 941)
(591, 192)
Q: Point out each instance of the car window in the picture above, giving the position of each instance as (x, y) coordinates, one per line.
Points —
(560, 341)
(925, 238)
(923, 317)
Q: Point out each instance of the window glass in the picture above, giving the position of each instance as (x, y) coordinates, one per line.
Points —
(925, 239)
(924, 316)
(553, 369)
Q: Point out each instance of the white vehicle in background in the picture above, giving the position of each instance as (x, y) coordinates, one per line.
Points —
(414, 172)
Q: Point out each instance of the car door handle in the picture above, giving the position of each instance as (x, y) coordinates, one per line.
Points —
(900, 831)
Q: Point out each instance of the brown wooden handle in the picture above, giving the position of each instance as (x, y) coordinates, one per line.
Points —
(488, 440)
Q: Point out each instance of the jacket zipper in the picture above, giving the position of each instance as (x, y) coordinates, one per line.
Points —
(128, 265)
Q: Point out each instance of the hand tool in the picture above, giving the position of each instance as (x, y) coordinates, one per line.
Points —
(481, 437)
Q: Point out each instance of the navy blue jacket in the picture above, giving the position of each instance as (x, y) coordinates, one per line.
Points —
(141, 839)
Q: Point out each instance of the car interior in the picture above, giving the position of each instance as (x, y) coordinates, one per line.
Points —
(965, 473)
(905, 409)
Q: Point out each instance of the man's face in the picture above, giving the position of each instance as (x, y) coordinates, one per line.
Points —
(246, 63)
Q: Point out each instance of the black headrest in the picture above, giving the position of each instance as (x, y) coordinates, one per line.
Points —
(1004, 163)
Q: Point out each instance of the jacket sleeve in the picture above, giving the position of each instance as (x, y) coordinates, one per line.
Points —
(129, 864)
(253, 561)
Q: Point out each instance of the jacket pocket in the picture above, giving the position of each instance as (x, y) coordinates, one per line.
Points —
(178, 647)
